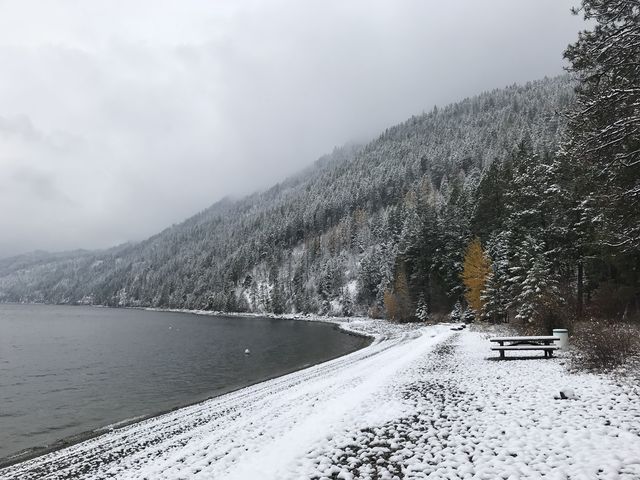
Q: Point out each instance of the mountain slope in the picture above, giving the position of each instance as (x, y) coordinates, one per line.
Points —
(326, 240)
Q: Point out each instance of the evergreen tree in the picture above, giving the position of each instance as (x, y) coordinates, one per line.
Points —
(604, 125)
(573, 246)
(422, 309)
(489, 211)
(495, 295)
(370, 276)
(456, 313)
(453, 232)
(347, 303)
(278, 300)
(423, 277)
(538, 294)
(526, 200)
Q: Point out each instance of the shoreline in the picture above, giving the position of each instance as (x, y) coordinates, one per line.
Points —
(421, 402)
(339, 322)
(336, 322)
(304, 317)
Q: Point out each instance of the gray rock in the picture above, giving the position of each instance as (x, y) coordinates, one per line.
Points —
(567, 394)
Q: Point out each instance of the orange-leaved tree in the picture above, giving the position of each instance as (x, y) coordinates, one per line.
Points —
(475, 273)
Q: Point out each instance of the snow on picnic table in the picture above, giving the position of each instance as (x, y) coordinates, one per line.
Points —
(418, 403)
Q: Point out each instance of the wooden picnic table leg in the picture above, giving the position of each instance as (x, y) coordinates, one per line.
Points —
(502, 354)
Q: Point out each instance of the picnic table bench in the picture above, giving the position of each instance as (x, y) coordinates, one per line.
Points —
(544, 343)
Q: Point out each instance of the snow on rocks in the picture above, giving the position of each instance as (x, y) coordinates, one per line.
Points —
(565, 394)
(476, 418)
(420, 402)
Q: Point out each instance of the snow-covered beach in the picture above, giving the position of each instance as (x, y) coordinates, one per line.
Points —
(419, 402)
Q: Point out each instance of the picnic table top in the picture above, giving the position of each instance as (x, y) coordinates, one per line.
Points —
(527, 347)
(524, 339)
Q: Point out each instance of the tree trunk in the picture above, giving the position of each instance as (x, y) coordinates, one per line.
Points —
(580, 292)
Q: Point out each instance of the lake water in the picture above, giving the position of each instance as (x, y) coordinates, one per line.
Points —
(67, 370)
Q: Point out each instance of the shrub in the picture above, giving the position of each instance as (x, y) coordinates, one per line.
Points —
(552, 315)
(611, 300)
(468, 316)
(456, 313)
(604, 344)
(375, 312)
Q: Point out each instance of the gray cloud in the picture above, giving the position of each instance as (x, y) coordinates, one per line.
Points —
(118, 118)
(41, 185)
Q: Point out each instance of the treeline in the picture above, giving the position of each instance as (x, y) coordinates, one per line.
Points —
(562, 241)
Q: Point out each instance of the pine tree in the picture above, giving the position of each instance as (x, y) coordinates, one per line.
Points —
(537, 286)
(369, 276)
(602, 145)
(489, 211)
(572, 233)
(421, 255)
(475, 273)
(422, 309)
(526, 200)
(468, 315)
(347, 303)
(496, 292)
(278, 300)
(453, 232)
(604, 124)
(456, 313)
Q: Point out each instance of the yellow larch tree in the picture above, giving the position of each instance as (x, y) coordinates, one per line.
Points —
(476, 271)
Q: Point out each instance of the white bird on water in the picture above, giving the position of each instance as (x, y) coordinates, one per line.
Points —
(246, 351)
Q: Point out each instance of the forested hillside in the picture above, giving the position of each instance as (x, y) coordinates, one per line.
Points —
(396, 212)
(520, 203)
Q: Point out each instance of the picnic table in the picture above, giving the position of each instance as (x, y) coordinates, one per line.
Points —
(544, 343)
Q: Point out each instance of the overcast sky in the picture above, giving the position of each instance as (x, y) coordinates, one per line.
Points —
(121, 117)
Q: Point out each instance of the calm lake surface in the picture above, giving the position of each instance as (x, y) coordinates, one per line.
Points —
(67, 370)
